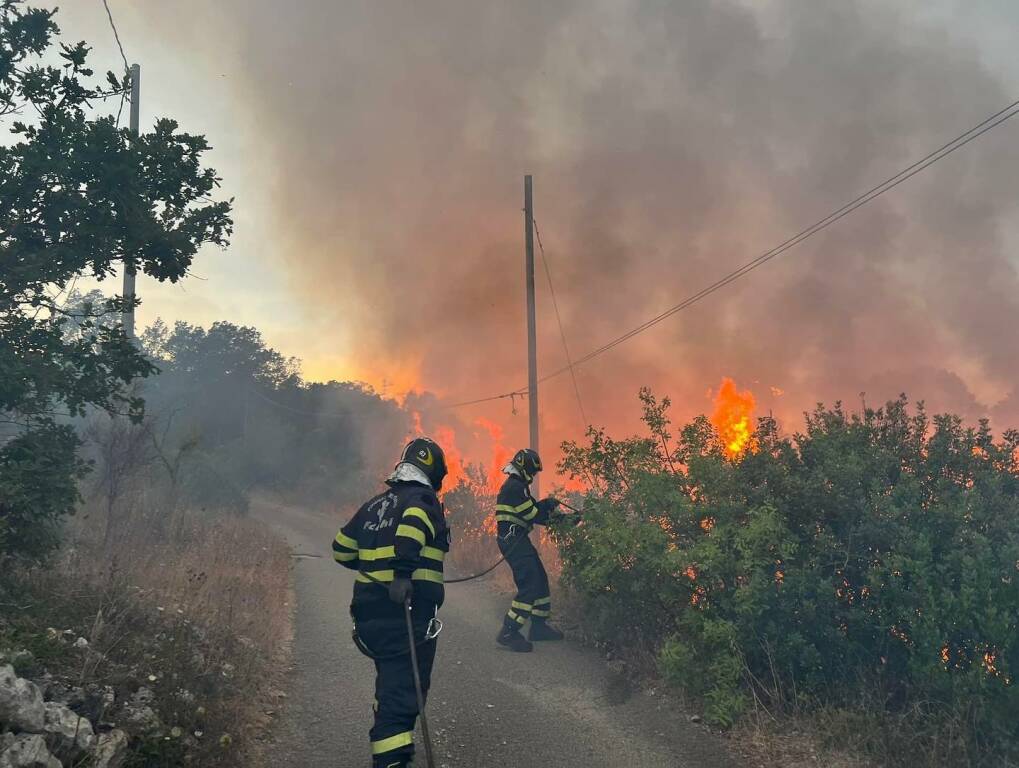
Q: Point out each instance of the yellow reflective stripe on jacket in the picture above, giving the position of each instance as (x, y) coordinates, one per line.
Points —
(410, 532)
(517, 513)
(427, 574)
(384, 575)
(382, 553)
(345, 541)
(433, 554)
(512, 519)
(393, 742)
(344, 557)
(421, 574)
(377, 554)
(420, 514)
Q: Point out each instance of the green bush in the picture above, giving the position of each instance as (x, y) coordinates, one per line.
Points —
(38, 486)
(874, 557)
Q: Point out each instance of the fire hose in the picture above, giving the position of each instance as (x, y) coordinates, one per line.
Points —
(432, 632)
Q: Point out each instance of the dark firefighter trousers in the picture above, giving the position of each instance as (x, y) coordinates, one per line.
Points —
(396, 709)
(533, 599)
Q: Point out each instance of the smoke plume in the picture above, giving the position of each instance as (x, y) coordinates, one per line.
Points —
(670, 142)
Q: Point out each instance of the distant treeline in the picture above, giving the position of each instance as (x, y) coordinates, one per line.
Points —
(226, 416)
(241, 413)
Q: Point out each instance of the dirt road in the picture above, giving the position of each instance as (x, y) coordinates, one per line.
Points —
(488, 708)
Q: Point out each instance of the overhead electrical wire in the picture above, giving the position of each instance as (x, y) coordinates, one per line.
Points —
(461, 403)
(116, 35)
(123, 57)
(906, 173)
(559, 321)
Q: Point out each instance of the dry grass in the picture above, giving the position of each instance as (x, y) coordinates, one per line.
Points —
(790, 743)
(201, 619)
(232, 575)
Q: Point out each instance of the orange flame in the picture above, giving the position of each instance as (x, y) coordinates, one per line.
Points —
(500, 453)
(416, 429)
(733, 418)
(446, 437)
(489, 525)
(990, 659)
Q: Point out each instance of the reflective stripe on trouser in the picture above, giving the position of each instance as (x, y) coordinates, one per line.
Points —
(532, 599)
(542, 608)
(396, 709)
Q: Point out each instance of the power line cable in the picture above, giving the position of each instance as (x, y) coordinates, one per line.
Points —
(559, 321)
(513, 395)
(905, 174)
(116, 35)
(858, 202)
(120, 47)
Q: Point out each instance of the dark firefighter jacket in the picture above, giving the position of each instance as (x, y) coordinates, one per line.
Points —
(516, 506)
(401, 532)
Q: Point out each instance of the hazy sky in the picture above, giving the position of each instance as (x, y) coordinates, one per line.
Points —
(376, 151)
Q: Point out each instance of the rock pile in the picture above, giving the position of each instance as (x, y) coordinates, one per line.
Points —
(40, 733)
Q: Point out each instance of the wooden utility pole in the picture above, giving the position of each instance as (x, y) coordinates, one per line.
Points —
(129, 270)
(532, 342)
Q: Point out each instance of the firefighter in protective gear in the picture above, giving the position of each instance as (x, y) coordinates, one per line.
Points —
(398, 538)
(516, 513)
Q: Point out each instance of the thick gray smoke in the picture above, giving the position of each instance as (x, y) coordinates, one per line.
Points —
(670, 142)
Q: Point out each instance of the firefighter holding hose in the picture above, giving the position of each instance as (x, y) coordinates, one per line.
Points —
(516, 513)
(397, 542)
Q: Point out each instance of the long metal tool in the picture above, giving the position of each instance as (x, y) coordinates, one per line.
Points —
(572, 509)
(426, 735)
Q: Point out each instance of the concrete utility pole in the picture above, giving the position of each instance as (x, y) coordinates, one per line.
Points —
(129, 271)
(532, 343)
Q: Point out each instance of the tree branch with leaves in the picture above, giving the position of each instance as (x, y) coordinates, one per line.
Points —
(80, 196)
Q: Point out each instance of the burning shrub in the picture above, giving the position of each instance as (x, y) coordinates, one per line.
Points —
(870, 561)
(470, 514)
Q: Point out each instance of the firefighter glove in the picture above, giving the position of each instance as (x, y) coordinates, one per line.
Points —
(547, 506)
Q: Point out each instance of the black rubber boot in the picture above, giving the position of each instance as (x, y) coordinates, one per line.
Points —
(541, 631)
(514, 641)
